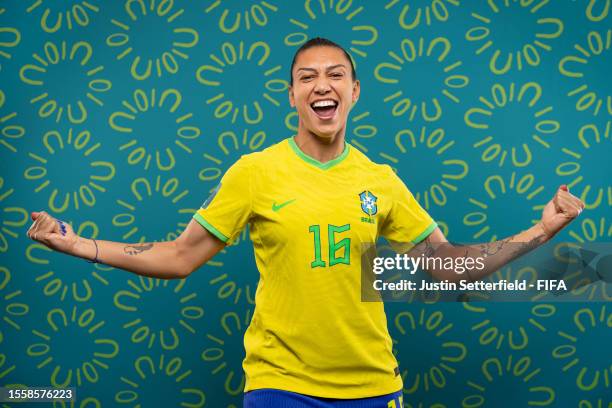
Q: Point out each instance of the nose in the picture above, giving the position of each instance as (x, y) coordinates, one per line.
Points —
(322, 86)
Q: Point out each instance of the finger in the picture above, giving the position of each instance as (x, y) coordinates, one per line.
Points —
(563, 191)
(34, 215)
(572, 197)
(55, 226)
(46, 226)
(37, 227)
(567, 194)
(564, 202)
(556, 201)
(578, 203)
(47, 236)
(41, 217)
(574, 211)
(576, 200)
(569, 208)
(31, 229)
(34, 229)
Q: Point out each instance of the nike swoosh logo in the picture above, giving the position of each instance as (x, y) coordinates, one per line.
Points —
(277, 207)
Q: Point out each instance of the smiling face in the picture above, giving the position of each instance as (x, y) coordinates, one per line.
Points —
(323, 91)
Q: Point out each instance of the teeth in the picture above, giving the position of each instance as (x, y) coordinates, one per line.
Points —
(322, 104)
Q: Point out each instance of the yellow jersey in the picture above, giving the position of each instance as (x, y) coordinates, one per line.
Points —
(310, 332)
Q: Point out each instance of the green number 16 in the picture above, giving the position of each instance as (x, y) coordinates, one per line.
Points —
(333, 246)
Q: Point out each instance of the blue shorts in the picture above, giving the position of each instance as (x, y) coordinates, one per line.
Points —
(272, 398)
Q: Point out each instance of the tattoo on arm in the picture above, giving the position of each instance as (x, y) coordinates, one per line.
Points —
(492, 248)
(137, 249)
(533, 244)
(425, 247)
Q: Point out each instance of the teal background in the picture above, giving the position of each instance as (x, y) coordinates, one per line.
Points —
(135, 169)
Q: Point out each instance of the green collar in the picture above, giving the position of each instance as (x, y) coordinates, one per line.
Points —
(315, 162)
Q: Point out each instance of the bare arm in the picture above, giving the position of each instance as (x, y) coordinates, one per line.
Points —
(559, 212)
(164, 260)
(494, 254)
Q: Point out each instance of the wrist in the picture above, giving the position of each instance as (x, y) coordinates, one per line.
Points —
(542, 230)
(85, 248)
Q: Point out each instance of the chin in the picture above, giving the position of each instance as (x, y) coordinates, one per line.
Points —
(325, 135)
(326, 132)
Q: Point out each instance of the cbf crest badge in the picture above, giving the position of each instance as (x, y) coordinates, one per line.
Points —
(368, 203)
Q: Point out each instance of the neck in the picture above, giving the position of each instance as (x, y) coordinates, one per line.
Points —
(319, 148)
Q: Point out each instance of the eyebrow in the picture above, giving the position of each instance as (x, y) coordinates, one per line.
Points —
(327, 69)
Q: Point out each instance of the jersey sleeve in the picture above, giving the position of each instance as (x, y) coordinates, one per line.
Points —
(406, 222)
(228, 208)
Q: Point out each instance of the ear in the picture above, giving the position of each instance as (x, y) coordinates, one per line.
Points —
(356, 91)
(291, 98)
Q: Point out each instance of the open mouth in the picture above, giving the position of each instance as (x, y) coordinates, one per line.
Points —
(324, 109)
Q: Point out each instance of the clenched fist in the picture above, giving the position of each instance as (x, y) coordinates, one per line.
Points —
(53, 233)
(560, 211)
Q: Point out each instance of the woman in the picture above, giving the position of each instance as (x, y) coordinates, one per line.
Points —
(312, 202)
